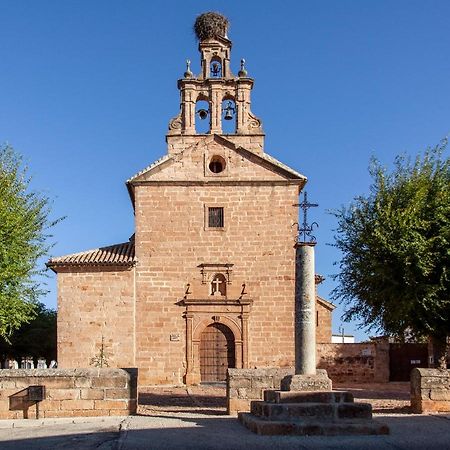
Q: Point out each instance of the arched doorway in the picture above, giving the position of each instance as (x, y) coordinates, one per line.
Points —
(217, 352)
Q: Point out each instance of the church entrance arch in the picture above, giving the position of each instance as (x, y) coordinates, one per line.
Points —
(217, 352)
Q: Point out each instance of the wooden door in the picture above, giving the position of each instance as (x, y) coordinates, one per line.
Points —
(216, 352)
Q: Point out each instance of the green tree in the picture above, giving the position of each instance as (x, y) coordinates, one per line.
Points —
(394, 270)
(36, 338)
(24, 225)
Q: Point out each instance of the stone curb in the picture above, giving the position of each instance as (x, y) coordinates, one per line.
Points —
(31, 423)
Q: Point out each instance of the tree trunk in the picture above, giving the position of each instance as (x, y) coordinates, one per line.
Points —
(439, 344)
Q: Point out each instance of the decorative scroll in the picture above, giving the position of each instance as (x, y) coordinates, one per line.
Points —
(254, 122)
(175, 123)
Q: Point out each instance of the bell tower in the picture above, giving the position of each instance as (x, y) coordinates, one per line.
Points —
(216, 95)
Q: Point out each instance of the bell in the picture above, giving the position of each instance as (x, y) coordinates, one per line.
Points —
(229, 111)
(215, 69)
(228, 114)
(202, 113)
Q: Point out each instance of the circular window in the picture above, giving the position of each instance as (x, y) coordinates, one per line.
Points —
(217, 164)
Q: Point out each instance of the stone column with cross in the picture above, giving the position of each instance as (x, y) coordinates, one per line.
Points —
(306, 404)
(306, 376)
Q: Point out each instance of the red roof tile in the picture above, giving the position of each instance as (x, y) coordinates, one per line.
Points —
(113, 255)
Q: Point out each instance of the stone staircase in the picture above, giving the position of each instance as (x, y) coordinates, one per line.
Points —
(311, 413)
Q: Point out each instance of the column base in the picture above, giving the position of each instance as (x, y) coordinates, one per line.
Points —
(317, 382)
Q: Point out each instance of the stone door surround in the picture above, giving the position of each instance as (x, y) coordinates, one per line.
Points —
(199, 314)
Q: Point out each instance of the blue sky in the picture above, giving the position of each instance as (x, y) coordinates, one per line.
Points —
(336, 82)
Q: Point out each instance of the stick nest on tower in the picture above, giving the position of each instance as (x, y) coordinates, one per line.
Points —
(211, 25)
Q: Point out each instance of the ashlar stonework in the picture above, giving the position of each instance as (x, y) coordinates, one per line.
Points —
(207, 280)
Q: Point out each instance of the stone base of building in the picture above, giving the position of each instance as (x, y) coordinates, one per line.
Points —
(308, 413)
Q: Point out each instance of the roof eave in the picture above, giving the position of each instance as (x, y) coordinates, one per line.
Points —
(55, 265)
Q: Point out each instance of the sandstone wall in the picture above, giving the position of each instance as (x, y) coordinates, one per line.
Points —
(323, 324)
(430, 390)
(245, 385)
(95, 303)
(355, 363)
(68, 393)
(258, 239)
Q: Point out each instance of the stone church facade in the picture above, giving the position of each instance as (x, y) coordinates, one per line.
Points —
(207, 281)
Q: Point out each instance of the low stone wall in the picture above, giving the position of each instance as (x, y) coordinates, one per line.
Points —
(245, 385)
(430, 390)
(67, 392)
(355, 363)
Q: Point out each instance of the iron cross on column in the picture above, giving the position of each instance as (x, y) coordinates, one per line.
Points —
(304, 231)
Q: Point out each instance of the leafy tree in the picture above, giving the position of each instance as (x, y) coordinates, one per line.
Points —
(394, 272)
(36, 338)
(24, 225)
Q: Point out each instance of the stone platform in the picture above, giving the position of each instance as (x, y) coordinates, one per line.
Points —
(327, 413)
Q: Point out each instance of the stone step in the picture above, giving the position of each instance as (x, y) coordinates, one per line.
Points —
(313, 427)
(319, 411)
(275, 396)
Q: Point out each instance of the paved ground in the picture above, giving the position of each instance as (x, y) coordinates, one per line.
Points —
(176, 418)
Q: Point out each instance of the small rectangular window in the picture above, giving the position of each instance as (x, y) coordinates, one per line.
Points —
(215, 217)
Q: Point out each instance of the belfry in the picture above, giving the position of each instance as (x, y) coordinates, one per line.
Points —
(207, 280)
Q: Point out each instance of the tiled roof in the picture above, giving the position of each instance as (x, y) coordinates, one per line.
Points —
(113, 255)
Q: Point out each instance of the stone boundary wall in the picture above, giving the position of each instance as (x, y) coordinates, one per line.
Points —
(430, 390)
(68, 393)
(355, 363)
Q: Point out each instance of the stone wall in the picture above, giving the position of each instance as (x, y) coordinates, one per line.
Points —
(68, 393)
(430, 390)
(95, 305)
(355, 363)
(245, 385)
(323, 321)
(173, 242)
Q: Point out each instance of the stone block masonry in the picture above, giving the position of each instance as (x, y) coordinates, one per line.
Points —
(245, 385)
(430, 390)
(68, 393)
(355, 363)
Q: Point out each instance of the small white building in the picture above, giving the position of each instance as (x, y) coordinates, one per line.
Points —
(342, 339)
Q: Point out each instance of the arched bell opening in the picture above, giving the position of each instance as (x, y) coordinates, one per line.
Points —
(202, 116)
(215, 67)
(229, 121)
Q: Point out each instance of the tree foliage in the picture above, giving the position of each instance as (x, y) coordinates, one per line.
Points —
(36, 338)
(24, 225)
(394, 271)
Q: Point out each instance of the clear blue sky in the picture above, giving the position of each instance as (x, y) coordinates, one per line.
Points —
(336, 82)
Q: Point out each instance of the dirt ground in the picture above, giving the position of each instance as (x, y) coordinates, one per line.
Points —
(386, 398)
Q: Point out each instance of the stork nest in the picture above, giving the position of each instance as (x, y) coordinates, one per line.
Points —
(210, 25)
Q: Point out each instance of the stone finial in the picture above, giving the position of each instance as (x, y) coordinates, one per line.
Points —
(242, 72)
(188, 73)
(211, 25)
